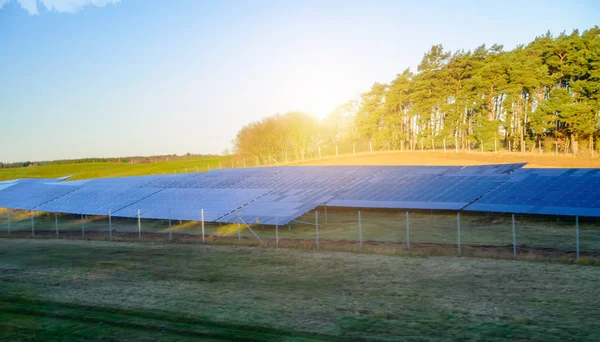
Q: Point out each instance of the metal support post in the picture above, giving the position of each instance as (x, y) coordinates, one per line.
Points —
(458, 226)
(407, 232)
(202, 217)
(170, 228)
(56, 223)
(360, 239)
(577, 236)
(514, 234)
(317, 227)
(239, 233)
(139, 225)
(110, 224)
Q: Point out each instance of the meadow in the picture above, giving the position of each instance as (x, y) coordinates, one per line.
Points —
(92, 290)
(113, 169)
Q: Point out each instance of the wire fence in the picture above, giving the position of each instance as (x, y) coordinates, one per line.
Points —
(420, 232)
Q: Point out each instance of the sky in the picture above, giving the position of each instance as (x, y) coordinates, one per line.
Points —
(109, 78)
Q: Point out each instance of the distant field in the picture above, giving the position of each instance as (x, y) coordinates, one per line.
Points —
(452, 158)
(91, 290)
(95, 170)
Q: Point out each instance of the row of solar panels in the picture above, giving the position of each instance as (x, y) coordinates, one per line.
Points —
(278, 195)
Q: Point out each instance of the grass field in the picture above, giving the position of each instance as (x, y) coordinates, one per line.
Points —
(94, 170)
(83, 290)
(109, 169)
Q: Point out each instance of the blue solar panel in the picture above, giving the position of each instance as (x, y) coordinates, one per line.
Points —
(186, 204)
(268, 195)
(30, 195)
(573, 192)
(96, 200)
(279, 206)
(422, 188)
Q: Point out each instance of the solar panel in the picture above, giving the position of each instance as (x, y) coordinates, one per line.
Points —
(136, 181)
(571, 192)
(279, 206)
(186, 204)
(442, 188)
(30, 195)
(268, 195)
(93, 200)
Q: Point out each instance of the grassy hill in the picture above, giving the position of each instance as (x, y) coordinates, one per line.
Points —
(112, 169)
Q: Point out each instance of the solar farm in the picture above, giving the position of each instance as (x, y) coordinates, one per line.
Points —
(501, 210)
(377, 253)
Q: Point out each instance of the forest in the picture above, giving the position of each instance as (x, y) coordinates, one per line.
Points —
(542, 96)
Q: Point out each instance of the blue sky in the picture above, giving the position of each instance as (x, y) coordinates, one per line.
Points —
(95, 78)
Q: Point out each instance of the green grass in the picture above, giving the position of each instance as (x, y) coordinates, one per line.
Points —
(82, 290)
(109, 169)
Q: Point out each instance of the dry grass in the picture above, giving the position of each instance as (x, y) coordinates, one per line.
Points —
(451, 158)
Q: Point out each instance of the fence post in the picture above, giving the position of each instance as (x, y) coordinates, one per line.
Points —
(317, 227)
(577, 236)
(458, 226)
(360, 242)
(239, 233)
(110, 224)
(8, 214)
(56, 223)
(514, 233)
(139, 226)
(170, 227)
(32, 224)
(202, 217)
(456, 144)
(407, 232)
(82, 228)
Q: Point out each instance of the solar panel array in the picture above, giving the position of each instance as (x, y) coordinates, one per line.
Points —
(572, 192)
(432, 187)
(278, 195)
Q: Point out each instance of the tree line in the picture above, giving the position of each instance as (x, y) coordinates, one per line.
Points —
(125, 160)
(544, 95)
